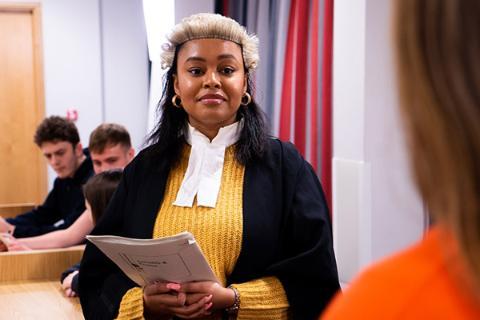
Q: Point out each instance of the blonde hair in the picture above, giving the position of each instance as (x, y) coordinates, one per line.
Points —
(438, 54)
(211, 26)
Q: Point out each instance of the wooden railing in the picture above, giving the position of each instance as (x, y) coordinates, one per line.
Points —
(38, 264)
(30, 284)
(13, 209)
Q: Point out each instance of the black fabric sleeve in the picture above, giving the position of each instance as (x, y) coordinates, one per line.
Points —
(39, 215)
(65, 273)
(63, 205)
(24, 219)
(101, 283)
(75, 283)
(32, 223)
(308, 268)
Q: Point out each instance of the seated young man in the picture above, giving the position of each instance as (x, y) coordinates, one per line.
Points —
(59, 142)
(110, 148)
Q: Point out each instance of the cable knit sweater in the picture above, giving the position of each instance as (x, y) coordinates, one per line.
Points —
(285, 233)
(218, 231)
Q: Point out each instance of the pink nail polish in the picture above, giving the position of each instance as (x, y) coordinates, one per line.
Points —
(173, 286)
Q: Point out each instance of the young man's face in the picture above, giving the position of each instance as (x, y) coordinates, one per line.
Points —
(112, 157)
(63, 157)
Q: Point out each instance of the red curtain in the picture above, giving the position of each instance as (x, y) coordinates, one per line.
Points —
(326, 171)
(300, 80)
(305, 96)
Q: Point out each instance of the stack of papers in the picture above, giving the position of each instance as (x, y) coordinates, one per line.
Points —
(172, 259)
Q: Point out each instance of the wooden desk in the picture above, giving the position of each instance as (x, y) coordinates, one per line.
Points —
(38, 264)
(13, 209)
(37, 300)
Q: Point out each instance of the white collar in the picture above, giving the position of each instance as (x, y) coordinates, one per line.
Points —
(205, 165)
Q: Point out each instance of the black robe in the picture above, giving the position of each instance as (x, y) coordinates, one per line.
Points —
(286, 231)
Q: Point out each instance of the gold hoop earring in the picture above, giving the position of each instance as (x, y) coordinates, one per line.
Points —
(174, 101)
(248, 97)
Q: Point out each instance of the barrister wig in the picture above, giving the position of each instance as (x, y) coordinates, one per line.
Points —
(211, 26)
(168, 135)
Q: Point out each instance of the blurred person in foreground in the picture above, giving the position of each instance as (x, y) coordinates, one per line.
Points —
(254, 205)
(438, 50)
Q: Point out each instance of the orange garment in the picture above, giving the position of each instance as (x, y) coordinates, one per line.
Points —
(414, 284)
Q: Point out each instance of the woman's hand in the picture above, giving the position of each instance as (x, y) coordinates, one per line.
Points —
(221, 297)
(164, 300)
(67, 284)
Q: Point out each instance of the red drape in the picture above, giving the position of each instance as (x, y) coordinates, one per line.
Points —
(288, 77)
(295, 82)
(326, 171)
(225, 8)
(301, 103)
(314, 94)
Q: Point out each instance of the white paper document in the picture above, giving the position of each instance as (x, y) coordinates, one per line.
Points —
(174, 259)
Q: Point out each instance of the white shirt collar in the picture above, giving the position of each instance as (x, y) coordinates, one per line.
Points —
(205, 165)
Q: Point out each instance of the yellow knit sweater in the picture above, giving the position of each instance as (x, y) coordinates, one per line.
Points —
(218, 231)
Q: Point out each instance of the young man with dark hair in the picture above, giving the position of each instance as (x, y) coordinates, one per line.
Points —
(59, 141)
(110, 147)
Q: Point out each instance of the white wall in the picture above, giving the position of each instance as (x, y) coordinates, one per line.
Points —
(95, 61)
(125, 66)
(184, 8)
(376, 208)
(72, 61)
(160, 22)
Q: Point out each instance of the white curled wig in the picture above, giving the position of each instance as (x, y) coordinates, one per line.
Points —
(211, 26)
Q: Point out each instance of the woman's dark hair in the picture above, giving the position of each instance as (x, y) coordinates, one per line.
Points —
(99, 189)
(168, 134)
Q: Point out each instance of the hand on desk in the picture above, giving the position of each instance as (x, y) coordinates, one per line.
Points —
(67, 284)
(13, 244)
(5, 226)
(7, 241)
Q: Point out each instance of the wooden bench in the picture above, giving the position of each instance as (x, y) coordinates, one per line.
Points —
(13, 209)
(37, 264)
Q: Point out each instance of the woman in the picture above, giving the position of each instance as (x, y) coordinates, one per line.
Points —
(439, 72)
(97, 191)
(254, 205)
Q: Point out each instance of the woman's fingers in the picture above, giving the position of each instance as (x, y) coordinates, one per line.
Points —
(160, 297)
(160, 288)
(171, 300)
(195, 310)
(201, 286)
(193, 298)
(173, 303)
